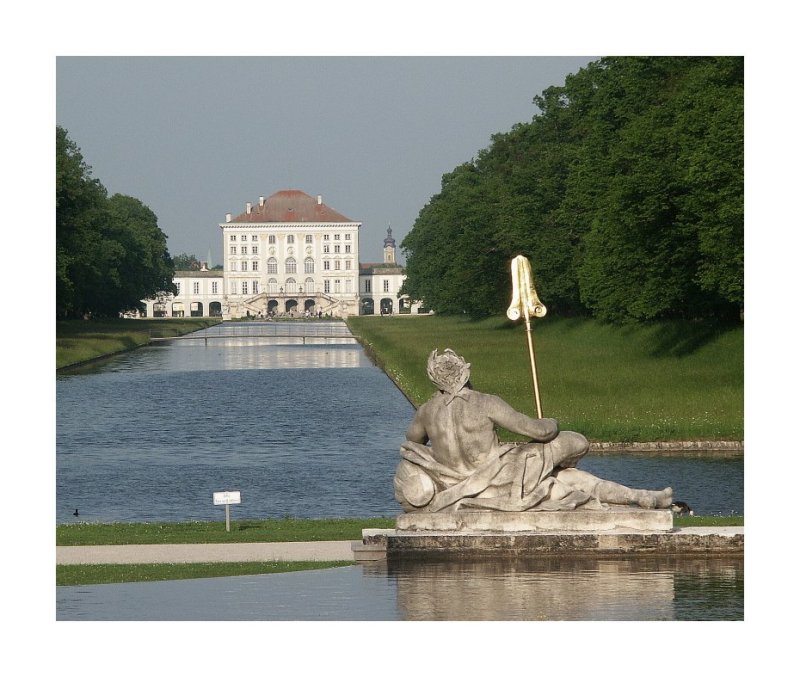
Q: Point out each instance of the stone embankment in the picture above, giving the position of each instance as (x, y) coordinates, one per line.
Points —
(704, 448)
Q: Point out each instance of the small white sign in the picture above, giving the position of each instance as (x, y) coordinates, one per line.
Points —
(227, 497)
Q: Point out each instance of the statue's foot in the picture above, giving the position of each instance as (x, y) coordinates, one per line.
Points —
(655, 499)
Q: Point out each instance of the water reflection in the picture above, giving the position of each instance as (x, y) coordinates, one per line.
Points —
(527, 590)
(563, 589)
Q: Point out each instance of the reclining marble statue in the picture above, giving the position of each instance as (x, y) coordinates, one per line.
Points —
(453, 460)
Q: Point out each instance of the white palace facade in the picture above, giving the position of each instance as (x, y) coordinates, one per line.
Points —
(289, 255)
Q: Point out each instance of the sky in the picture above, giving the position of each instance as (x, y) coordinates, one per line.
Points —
(197, 137)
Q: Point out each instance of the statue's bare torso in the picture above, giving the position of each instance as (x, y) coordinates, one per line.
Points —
(463, 434)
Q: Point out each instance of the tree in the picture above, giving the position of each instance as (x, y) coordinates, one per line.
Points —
(110, 252)
(185, 262)
(79, 205)
(626, 192)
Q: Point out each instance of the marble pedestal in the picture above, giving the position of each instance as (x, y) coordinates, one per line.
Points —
(617, 517)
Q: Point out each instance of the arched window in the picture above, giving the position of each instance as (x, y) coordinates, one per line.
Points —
(291, 286)
(308, 285)
(272, 286)
(291, 265)
(309, 263)
(272, 265)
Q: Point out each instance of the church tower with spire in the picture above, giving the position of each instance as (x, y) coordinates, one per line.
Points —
(389, 247)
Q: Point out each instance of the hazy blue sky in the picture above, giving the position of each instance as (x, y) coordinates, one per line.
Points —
(197, 137)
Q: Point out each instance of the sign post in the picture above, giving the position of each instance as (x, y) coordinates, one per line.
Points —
(227, 498)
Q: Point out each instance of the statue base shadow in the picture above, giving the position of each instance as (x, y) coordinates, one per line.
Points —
(616, 532)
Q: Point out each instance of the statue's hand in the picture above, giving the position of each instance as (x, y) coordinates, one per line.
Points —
(549, 428)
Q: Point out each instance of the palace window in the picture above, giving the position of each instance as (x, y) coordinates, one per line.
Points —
(254, 266)
(337, 264)
(309, 283)
(195, 287)
(254, 238)
(233, 238)
(308, 239)
(254, 249)
(326, 249)
(290, 239)
(326, 265)
(291, 286)
(368, 286)
(386, 285)
(255, 287)
(244, 266)
(309, 265)
(347, 249)
(336, 237)
(214, 287)
(233, 287)
(327, 286)
(347, 264)
(244, 287)
(337, 248)
(291, 265)
(347, 236)
(233, 250)
(272, 266)
(244, 250)
(348, 286)
(272, 286)
(271, 239)
(337, 286)
(178, 285)
(326, 237)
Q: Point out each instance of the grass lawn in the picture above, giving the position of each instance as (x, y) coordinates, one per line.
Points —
(659, 382)
(242, 531)
(94, 574)
(81, 340)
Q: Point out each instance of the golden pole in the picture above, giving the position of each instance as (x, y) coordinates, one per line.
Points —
(525, 302)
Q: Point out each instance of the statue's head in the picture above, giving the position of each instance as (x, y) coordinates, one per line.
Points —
(448, 372)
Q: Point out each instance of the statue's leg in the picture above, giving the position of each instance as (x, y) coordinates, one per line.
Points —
(568, 448)
(413, 487)
(611, 492)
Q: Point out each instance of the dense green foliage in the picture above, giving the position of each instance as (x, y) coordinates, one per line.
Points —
(242, 531)
(661, 381)
(110, 252)
(185, 262)
(625, 192)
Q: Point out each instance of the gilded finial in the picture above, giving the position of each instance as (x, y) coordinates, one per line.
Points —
(524, 299)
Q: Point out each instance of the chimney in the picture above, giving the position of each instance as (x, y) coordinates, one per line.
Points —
(319, 199)
(261, 201)
(248, 207)
(227, 218)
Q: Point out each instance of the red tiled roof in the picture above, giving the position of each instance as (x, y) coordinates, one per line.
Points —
(289, 206)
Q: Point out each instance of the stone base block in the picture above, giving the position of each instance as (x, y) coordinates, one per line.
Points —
(616, 517)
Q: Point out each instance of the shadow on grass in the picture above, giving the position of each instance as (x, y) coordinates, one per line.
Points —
(679, 339)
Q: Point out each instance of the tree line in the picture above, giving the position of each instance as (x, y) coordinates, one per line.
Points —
(110, 251)
(625, 192)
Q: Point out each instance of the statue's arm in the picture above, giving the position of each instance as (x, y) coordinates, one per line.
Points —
(504, 415)
(416, 431)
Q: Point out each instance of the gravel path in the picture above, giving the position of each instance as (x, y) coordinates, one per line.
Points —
(320, 551)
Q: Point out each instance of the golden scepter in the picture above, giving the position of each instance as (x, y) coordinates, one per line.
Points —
(525, 302)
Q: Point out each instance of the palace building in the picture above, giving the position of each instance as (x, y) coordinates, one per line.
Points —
(289, 255)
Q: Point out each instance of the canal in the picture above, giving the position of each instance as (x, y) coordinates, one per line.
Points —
(306, 426)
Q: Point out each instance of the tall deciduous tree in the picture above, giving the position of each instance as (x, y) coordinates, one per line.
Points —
(625, 192)
(110, 252)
